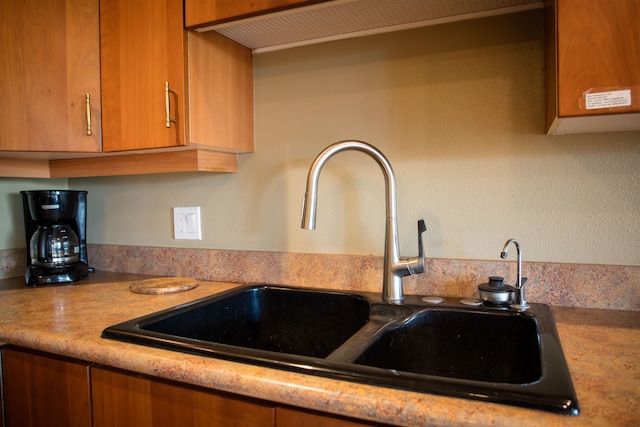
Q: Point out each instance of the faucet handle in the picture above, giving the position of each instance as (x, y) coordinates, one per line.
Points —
(419, 267)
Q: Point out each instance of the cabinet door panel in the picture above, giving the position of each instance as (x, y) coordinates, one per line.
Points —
(49, 60)
(142, 46)
(126, 399)
(44, 391)
(598, 52)
(221, 92)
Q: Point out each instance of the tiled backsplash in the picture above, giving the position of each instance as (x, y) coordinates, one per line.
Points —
(572, 285)
(12, 263)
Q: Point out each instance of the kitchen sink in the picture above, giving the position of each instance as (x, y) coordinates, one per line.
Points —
(487, 353)
(305, 323)
(498, 347)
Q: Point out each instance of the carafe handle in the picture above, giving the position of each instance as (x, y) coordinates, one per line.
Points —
(44, 245)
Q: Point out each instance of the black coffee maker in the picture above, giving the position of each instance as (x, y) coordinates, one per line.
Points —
(55, 224)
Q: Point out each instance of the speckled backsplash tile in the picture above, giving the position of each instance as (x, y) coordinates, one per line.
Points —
(12, 262)
(571, 285)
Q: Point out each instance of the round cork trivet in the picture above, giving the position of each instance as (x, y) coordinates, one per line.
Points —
(163, 285)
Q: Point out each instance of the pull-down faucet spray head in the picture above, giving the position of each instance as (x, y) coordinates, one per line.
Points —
(309, 203)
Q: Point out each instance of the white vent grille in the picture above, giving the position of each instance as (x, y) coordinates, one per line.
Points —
(349, 18)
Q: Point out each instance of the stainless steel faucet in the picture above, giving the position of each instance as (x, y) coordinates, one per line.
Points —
(520, 302)
(394, 267)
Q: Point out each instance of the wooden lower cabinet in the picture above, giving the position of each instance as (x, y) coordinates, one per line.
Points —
(1, 401)
(124, 399)
(44, 390)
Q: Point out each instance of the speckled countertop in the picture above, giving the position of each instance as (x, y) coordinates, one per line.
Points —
(602, 348)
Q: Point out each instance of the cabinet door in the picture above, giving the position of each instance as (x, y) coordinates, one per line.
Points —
(142, 47)
(49, 62)
(126, 399)
(598, 56)
(1, 395)
(40, 390)
(199, 12)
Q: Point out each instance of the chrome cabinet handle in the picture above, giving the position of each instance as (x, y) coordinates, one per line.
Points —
(167, 105)
(88, 98)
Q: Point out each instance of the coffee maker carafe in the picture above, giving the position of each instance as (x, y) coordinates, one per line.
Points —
(55, 229)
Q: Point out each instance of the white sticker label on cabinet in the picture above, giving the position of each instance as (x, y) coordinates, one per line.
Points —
(616, 98)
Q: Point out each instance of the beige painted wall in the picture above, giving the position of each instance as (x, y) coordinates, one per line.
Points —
(458, 110)
(11, 212)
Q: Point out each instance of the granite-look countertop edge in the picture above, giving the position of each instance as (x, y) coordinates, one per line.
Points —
(602, 348)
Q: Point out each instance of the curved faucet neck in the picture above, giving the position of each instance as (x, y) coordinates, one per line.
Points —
(521, 301)
(394, 268)
(311, 195)
(505, 253)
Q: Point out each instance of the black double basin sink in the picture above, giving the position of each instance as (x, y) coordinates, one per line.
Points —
(486, 353)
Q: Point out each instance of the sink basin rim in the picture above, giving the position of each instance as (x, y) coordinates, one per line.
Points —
(533, 395)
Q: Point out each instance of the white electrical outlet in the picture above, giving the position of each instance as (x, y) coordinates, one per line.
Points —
(186, 223)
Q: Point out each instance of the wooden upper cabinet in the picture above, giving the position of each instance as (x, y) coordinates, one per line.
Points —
(202, 12)
(593, 62)
(143, 45)
(49, 62)
(220, 93)
(209, 100)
